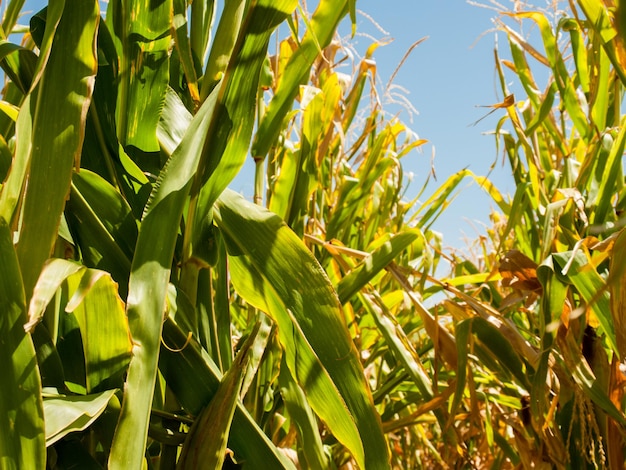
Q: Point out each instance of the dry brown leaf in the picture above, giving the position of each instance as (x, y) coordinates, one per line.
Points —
(519, 272)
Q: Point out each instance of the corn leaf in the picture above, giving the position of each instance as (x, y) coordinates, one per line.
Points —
(205, 444)
(374, 263)
(322, 27)
(103, 222)
(223, 43)
(304, 420)
(53, 274)
(575, 266)
(11, 14)
(100, 314)
(276, 273)
(194, 378)
(66, 414)
(618, 293)
(233, 120)
(54, 146)
(22, 444)
(142, 33)
(230, 103)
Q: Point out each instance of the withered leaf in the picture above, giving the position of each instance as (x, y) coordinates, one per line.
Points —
(519, 272)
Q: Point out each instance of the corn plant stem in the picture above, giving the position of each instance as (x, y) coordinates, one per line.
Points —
(259, 174)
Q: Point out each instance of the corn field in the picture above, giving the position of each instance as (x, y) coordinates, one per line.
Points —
(152, 318)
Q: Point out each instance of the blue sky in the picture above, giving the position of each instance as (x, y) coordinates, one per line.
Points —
(447, 77)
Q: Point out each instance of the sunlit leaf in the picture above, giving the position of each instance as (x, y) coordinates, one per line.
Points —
(280, 276)
(155, 246)
(21, 409)
(142, 34)
(68, 85)
(66, 414)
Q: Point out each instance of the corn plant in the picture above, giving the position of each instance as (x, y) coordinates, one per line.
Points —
(538, 318)
(129, 270)
(152, 317)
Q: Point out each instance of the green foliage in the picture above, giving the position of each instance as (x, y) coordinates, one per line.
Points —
(119, 235)
(153, 318)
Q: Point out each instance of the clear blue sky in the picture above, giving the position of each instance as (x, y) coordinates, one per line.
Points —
(447, 76)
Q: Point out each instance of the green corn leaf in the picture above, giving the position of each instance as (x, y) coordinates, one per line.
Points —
(148, 288)
(43, 27)
(99, 311)
(223, 44)
(275, 272)
(6, 158)
(352, 200)
(559, 69)
(352, 8)
(11, 14)
(104, 225)
(580, 53)
(602, 110)
(398, 342)
(201, 27)
(305, 422)
(283, 191)
(609, 178)
(439, 200)
(11, 190)
(54, 273)
(374, 263)
(9, 110)
(205, 444)
(142, 33)
(180, 28)
(57, 119)
(322, 27)
(100, 314)
(351, 102)
(575, 267)
(175, 120)
(462, 331)
(552, 305)
(194, 379)
(214, 309)
(66, 414)
(233, 120)
(618, 293)
(302, 361)
(502, 349)
(259, 350)
(230, 103)
(600, 21)
(19, 64)
(22, 444)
